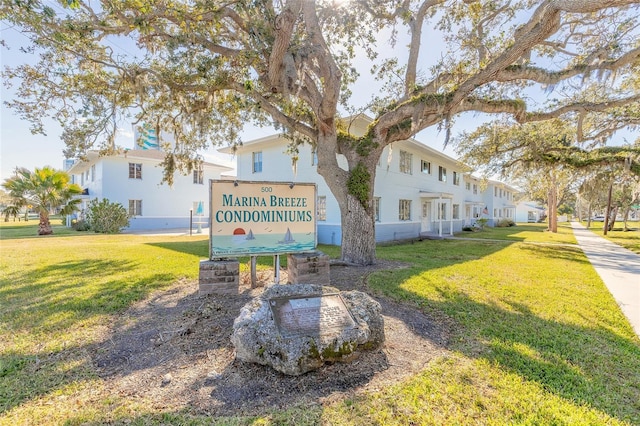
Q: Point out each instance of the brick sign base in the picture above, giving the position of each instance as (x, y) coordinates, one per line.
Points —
(219, 277)
(308, 268)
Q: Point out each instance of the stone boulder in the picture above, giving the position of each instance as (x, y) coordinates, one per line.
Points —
(311, 328)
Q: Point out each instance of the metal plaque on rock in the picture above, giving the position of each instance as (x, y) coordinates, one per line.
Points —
(317, 315)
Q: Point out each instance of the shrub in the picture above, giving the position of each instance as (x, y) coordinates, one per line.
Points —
(107, 217)
(505, 223)
(481, 222)
(81, 225)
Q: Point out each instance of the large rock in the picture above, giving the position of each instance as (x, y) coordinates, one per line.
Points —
(258, 338)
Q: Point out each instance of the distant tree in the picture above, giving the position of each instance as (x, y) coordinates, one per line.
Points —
(10, 210)
(202, 69)
(5, 199)
(517, 152)
(45, 189)
(592, 192)
(626, 193)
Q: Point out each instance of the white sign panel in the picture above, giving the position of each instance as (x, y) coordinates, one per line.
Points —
(251, 218)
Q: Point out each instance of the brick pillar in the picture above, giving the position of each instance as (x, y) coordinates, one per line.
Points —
(219, 276)
(308, 268)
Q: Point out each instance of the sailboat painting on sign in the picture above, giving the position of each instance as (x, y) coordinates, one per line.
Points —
(288, 238)
(250, 235)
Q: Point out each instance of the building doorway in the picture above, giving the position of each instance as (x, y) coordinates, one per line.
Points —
(426, 217)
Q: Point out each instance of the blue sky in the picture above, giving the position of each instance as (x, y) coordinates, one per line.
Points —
(20, 148)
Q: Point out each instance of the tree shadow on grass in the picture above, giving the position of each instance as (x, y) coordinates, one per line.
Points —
(55, 297)
(50, 303)
(591, 366)
(198, 248)
(566, 252)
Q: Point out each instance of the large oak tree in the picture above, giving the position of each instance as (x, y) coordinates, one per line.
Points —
(203, 68)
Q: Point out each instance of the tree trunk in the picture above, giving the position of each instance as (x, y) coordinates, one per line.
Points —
(44, 227)
(625, 218)
(358, 243)
(589, 217)
(358, 233)
(607, 213)
(612, 218)
(553, 210)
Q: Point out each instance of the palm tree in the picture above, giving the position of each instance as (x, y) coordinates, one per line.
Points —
(45, 189)
(12, 210)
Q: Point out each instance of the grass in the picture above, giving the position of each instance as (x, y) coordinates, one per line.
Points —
(629, 239)
(531, 232)
(538, 339)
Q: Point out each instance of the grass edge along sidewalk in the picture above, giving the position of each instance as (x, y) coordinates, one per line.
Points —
(538, 339)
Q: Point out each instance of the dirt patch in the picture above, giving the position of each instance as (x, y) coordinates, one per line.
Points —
(173, 349)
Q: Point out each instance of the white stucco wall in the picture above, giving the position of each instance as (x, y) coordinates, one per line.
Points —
(162, 206)
(391, 185)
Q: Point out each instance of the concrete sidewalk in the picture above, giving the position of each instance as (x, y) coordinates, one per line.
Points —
(618, 267)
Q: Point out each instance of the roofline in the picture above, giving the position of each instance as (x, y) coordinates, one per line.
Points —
(413, 141)
(94, 155)
(278, 136)
(260, 141)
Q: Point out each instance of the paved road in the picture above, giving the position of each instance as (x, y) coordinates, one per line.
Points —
(618, 267)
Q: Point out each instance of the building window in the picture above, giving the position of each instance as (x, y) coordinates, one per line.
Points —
(93, 173)
(405, 162)
(455, 211)
(495, 212)
(442, 211)
(456, 178)
(135, 207)
(257, 162)
(321, 206)
(314, 158)
(467, 186)
(475, 188)
(442, 174)
(495, 191)
(425, 167)
(404, 210)
(135, 170)
(82, 179)
(198, 176)
(376, 209)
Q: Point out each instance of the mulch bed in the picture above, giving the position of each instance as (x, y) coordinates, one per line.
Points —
(173, 350)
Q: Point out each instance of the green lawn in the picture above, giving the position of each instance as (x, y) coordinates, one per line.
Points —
(538, 339)
(530, 232)
(629, 239)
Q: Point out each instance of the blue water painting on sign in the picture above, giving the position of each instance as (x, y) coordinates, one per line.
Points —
(263, 243)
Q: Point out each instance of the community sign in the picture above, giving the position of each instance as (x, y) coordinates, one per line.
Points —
(251, 218)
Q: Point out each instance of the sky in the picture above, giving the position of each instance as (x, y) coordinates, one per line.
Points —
(20, 148)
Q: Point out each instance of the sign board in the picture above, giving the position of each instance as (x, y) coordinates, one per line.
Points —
(311, 316)
(252, 218)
